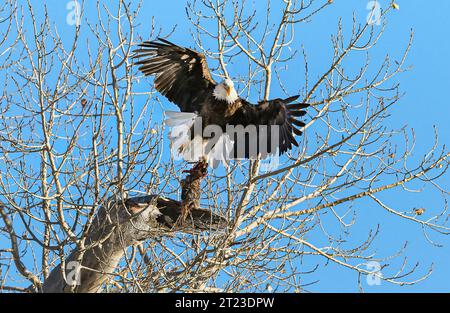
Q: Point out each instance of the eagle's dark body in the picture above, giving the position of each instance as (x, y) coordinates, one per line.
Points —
(218, 112)
(182, 75)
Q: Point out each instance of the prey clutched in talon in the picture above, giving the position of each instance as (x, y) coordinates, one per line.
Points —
(200, 169)
(190, 194)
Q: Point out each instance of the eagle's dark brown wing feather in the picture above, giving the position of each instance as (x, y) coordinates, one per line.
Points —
(181, 74)
(273, 112)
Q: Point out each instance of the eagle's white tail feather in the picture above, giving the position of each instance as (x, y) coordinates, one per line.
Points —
(181, 144)
(180, 115)
(179, 118)
(196, 149)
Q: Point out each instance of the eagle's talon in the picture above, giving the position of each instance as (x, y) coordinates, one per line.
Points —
(200, 169)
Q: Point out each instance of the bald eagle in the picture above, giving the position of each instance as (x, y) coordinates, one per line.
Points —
(183, 77)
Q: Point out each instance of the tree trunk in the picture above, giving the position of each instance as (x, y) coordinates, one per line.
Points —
(123, 223)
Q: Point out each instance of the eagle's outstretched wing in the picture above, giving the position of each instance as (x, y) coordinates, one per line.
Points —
(277, 112)
(181, 74)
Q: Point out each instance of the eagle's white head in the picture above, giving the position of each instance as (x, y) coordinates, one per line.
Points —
(225, 91)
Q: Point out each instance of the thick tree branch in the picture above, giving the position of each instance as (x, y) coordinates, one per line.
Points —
(120, 224)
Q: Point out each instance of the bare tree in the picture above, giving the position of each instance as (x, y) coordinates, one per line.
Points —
(78, 138)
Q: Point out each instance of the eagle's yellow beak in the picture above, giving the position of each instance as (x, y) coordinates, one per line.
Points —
(227, 89)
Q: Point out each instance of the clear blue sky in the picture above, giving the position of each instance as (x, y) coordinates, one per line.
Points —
(424, 106)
